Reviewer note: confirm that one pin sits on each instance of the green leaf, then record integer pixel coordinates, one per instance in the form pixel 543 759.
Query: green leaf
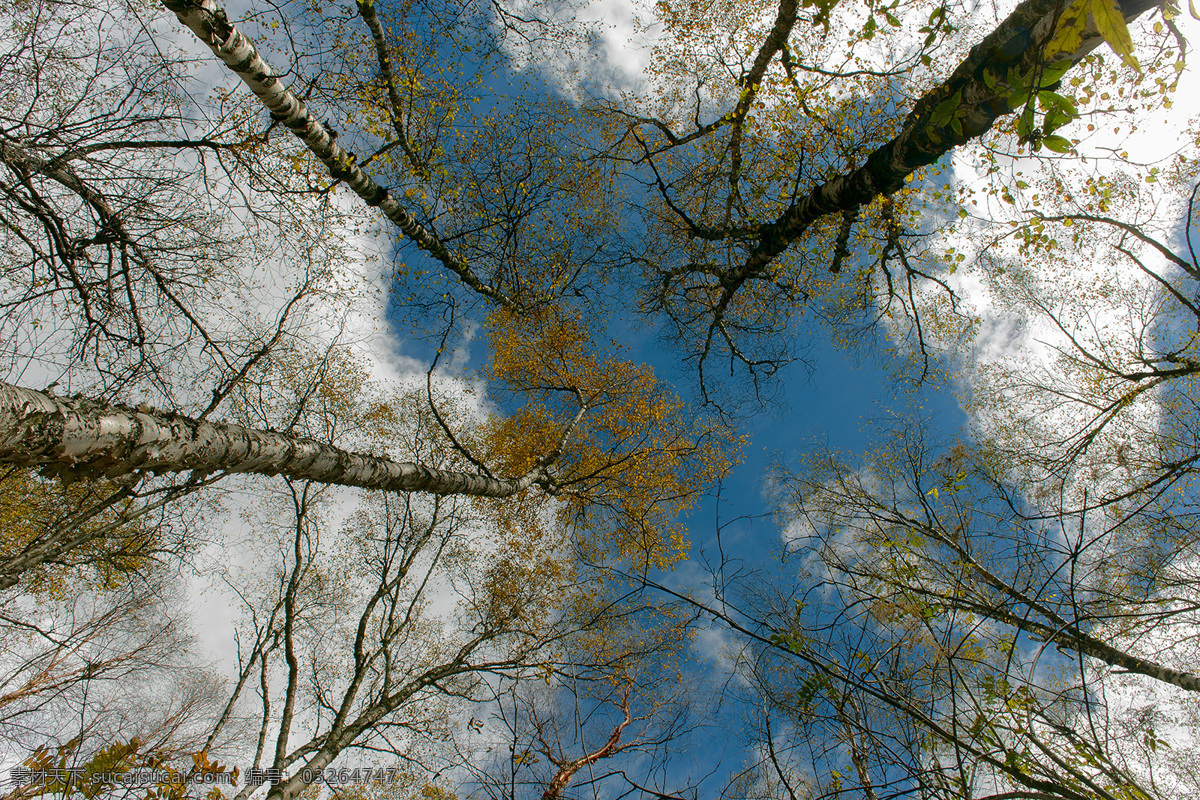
pixel 989 79
pixel 1017 80
pixel 1058 144
pixel 944 109
pixel 1025 123
pixel 1053 73
pixel 1054 120
pixel 1055 100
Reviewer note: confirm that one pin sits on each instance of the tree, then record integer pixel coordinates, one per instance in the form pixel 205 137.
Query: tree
pixel 209 22
pixel 1038 43
pixel 88 667
pixel 411 547
pixel 943 531
pixel 607 713
pixel 35 510
pixel 363 473
pixel 831 670
pixel 1122 368
pixel 757 201
pixel 358 651
pixel 924 132
pixel 627 449
pixel 84 625
pixel 132 220
pixel 934 632
pixel 623 453
pixel 780 204
pixel 624 456
pixel 772 171
pixel 381 637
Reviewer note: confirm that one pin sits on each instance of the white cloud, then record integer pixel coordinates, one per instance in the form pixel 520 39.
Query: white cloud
pixel 602 46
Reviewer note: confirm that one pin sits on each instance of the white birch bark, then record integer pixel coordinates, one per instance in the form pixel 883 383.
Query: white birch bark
pixel 208 21
pixel 85 438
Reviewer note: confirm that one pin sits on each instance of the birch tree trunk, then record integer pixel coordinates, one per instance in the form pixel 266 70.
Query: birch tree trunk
pixel 728 275
pixel 80 438
pixel 1018 43
pixel 209 22
pixel 88 439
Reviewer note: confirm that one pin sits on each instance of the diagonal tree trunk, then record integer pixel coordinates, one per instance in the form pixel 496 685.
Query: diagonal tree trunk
pixel 1062 632
pixel 209 22
pixel 1017 44
pixel 80 437
pixel 90 439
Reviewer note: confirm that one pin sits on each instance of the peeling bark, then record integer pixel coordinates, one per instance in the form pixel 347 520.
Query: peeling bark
pixel 568 768
pixel 80 437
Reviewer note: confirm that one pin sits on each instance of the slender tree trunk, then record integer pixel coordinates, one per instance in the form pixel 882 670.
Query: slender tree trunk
pixel 208 21
pixel 1060 631
pixel 80 437
pixel 1018 43
pixel 568 768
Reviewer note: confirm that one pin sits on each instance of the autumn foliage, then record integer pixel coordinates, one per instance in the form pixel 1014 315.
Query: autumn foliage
pixel 632 464
pixel 114 543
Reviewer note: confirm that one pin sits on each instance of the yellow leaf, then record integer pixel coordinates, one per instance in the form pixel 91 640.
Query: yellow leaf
pixel 1111 24
pixel 1068 35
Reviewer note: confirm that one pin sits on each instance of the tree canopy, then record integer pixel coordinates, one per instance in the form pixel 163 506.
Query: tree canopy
pixel 349 314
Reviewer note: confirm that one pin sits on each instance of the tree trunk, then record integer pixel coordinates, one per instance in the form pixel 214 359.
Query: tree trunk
pixel 1063 633
pixel 79 437
pixel 1018 43
pixel 208 21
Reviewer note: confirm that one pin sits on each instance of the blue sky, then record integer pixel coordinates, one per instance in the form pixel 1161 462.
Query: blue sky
pixel 832 397
pixel 835 400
